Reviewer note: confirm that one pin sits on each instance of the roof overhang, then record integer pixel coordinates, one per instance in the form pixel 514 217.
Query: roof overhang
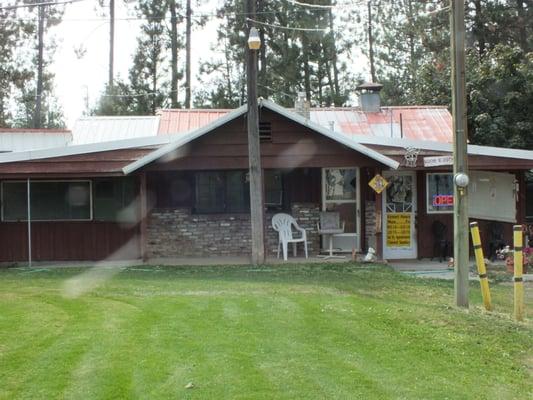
pixel 474 150
pixel 188 137
pixel 31 155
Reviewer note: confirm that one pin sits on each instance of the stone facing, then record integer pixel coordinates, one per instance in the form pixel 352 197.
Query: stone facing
pixel 178 233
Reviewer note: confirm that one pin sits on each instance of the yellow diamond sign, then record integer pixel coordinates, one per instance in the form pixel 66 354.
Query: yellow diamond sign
pixel 378 183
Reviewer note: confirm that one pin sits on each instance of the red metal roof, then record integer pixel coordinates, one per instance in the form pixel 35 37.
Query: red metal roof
pixel 415 123
pixel 431 123
pixel 183 120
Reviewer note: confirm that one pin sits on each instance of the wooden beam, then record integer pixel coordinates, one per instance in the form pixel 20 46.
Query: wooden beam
pixel 143 215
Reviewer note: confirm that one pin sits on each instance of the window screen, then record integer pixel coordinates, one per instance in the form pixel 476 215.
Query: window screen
pixel 114 200
pixel 210 192
pixel 50 200
pixel 220 192
pixel 439 193
pixel 273 188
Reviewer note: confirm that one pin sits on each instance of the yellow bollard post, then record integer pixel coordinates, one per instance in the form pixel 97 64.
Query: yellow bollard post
pixel 481 268
pixel 518 271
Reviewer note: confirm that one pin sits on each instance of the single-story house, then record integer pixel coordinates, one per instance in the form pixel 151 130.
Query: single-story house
pixel 176 184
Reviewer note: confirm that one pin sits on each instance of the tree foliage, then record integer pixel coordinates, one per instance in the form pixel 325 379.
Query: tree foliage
pixel 18 60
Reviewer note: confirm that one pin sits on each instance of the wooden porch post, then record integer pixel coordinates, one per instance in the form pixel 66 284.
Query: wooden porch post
pixel 143 215
pixel 379 221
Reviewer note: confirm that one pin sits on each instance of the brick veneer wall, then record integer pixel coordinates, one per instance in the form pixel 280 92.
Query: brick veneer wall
pixel 178 233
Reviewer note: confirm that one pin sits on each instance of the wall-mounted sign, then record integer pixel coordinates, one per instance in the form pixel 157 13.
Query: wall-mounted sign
pixel 398 229
pixel 437 161
pixel 378 183
pixel 442 200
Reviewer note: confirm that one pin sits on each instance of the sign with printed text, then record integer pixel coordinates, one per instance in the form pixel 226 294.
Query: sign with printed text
pixel 437 161
pixel 442 200
pixel 399 229
pixel 378 183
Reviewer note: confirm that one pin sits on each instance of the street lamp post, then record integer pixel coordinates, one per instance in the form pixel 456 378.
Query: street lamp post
pixel 254 154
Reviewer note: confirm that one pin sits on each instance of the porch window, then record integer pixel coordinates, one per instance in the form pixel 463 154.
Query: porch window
pixel 439 193
pixel 114 200
pixel 273 188
pixel 50 200
pixel 222 192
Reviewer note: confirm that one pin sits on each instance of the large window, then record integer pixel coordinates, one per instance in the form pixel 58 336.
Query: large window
pixel 50 200
pixel 439 193
pixel 114 200
pixel 222 192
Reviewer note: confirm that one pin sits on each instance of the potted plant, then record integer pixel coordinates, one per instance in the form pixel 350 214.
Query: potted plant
pixel 527 257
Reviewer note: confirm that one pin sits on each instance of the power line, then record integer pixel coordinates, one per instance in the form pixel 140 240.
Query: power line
pixel 288 27
pixel 49 3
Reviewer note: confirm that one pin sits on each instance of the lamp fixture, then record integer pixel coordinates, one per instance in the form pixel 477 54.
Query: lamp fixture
pixel 254 41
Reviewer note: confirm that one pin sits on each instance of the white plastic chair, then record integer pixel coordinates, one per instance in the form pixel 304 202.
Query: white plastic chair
pixel 283 224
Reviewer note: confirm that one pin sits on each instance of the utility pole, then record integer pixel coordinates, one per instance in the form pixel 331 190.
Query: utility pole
pixel 371 44
pixel 254 154
pixel 40 45
pixel 460 159
pixel 111 42
pixel 188 56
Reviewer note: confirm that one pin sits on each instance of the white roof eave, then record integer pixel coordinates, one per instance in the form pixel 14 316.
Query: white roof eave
pixel 85 148
pixel 474 150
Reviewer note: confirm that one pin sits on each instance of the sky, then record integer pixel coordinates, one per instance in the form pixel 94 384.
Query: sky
pixel 84 27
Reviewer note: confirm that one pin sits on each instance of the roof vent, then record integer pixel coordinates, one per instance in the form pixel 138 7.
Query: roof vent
pixel 265 131
pixel 369 96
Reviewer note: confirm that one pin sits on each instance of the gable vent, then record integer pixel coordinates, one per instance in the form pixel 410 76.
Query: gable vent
pixel 265 131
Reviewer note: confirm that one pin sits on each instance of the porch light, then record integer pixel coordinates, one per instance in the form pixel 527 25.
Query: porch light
pixel 254 41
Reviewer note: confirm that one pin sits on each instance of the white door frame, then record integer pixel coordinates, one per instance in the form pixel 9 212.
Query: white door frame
pixel 357 198
pixel 401 253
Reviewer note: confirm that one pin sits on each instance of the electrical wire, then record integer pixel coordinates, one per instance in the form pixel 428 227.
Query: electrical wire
pixel 49 3
pixel 288 27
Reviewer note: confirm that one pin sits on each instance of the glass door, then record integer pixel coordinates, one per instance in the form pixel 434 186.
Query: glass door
pixel 399 206
pixel 340 193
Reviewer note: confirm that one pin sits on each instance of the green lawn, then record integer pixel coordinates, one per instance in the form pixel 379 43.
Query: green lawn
pixel 336 331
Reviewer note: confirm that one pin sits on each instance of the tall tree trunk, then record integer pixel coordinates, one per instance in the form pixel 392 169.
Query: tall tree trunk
pixel 154 80
pixel 229 86
pixel 307 69
pixel 479 29
pixel 111 42
pixel 371 44
pixel 39 94
pixel 327 67
pixel 174 54
pixel 337 95
pixel 413 62
pixel 188 56
pixel 262 91
pixel 522 20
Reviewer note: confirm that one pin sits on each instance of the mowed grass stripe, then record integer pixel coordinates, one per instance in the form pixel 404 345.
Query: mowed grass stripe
pixel 317 331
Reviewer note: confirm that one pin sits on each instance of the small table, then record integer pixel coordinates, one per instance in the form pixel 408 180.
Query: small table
pixel 330 233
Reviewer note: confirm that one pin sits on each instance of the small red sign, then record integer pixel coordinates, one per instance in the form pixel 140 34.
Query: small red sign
pixel 443 200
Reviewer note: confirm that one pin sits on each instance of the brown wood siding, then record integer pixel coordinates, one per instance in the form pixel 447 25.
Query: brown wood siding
pixel 68 241
pixel 292 146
